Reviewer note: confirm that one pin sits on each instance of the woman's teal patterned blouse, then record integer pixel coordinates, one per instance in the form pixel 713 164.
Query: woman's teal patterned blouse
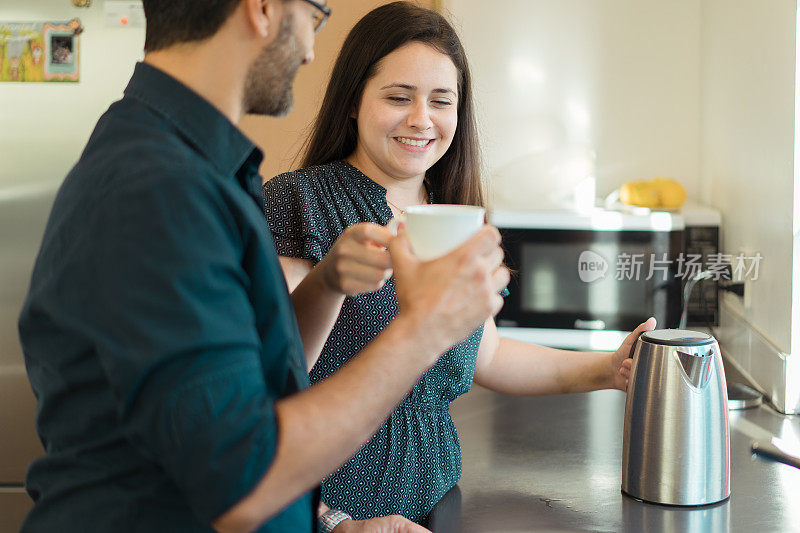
pixel 414 458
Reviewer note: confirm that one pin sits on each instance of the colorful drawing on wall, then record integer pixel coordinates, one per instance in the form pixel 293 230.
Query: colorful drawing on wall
pixel 40 51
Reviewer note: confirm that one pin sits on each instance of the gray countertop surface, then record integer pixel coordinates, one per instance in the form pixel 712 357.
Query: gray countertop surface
pixel 555 464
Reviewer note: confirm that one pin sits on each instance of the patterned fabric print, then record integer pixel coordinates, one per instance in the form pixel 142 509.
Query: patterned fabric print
pixel 415 457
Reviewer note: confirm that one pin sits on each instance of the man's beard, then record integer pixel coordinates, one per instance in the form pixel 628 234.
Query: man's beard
pixel 268 89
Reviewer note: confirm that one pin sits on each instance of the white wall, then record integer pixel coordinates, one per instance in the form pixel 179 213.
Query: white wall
pixel 698 90
pixel 748 144
pixel 619 77
pixel 44 126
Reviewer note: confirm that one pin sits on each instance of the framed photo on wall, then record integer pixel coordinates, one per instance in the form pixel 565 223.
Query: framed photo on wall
pixel 40 51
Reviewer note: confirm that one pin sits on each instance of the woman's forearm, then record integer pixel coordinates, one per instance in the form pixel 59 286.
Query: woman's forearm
pixel 358 262
pixel 524 369
pixel 316 308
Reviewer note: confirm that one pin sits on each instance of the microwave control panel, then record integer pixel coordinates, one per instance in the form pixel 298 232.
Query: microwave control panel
pixel 703 305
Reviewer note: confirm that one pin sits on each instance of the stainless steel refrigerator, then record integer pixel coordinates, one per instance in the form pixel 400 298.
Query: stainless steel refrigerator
pixel 23 214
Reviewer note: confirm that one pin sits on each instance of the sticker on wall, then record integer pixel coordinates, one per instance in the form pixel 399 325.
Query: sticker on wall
pixel 40 51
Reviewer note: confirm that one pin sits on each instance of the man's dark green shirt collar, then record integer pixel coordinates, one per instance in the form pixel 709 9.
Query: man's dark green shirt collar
pixel 203 126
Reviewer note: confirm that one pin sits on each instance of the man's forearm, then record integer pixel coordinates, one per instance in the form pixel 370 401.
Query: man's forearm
pixel 441 302
pixel 321 427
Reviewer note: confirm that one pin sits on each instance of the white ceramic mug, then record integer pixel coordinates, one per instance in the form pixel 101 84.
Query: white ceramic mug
pixel 436 229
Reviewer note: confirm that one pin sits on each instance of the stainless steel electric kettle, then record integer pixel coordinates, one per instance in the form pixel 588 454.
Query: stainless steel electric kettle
pixel 676 440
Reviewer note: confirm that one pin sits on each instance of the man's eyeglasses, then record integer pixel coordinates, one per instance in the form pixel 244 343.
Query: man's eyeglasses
pixel 320 16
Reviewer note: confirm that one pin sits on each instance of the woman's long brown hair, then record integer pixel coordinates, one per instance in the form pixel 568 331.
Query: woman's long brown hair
pixel 453 179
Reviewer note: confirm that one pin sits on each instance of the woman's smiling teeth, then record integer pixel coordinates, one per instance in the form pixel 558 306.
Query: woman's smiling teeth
pixel 413 142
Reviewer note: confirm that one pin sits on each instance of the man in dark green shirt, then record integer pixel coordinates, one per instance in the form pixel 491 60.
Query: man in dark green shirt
pixel 158 333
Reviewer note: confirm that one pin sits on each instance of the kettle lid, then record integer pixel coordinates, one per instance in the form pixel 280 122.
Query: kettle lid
pixel 677 337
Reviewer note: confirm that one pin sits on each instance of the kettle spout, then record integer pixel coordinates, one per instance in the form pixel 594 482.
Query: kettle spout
pixel 696 367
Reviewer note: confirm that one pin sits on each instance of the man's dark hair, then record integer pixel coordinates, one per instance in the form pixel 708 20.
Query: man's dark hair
pixel 178 21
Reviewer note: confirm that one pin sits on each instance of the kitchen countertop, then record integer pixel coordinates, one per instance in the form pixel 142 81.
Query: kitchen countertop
pixel 554 464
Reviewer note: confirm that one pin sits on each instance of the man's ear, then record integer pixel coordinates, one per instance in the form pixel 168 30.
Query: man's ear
pixel 263 15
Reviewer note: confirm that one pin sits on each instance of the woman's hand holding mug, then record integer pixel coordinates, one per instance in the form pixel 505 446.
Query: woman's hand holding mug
pixel 358 261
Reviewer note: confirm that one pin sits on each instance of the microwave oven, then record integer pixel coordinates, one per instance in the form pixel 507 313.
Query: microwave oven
pixel 584 281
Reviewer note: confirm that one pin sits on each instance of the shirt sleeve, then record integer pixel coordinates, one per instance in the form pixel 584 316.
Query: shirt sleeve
pixel 177 338
pixel 293 219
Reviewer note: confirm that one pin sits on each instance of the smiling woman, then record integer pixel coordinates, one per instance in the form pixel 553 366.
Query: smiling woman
pixel 395 129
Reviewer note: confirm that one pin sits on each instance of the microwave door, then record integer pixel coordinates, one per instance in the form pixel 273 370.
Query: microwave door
pixel 585 279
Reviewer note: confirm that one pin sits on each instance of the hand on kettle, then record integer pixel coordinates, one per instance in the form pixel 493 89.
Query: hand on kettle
pixel 621 361
pixel 381 524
